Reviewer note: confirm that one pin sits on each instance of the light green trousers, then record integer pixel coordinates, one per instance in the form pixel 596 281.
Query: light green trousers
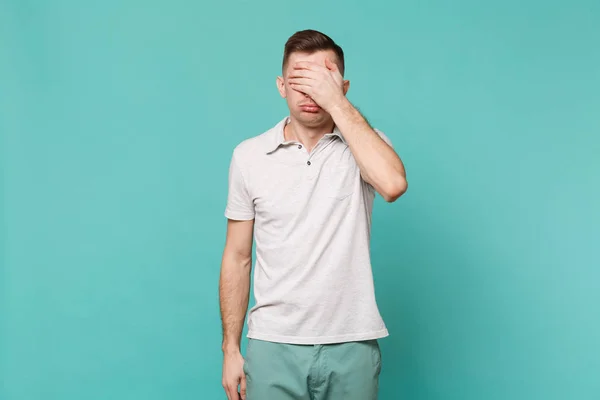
pixel 344 371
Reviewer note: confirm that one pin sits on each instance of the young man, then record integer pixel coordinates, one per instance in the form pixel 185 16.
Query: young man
pixel 304 191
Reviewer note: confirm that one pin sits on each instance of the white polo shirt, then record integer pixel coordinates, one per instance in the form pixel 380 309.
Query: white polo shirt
pixel 313 282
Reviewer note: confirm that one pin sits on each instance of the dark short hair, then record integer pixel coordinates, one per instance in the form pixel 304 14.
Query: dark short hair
pixel 311 41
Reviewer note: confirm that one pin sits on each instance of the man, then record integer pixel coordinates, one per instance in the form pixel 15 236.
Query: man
pixel 304 191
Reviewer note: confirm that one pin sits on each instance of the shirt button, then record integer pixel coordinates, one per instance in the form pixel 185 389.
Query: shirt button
pixel 308 162
pixel 299 146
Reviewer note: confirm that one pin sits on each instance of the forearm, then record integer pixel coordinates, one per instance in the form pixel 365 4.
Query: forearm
pixel 379 164
pixel 234 290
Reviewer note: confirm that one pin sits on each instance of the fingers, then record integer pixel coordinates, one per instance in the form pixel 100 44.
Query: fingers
pixel 231 390
pixel 302 73
pixel 232 393
pixel 243 388
pixel 301 85
pixel 301 81
pixel 307 65
pixel 229 393
pixel 301 88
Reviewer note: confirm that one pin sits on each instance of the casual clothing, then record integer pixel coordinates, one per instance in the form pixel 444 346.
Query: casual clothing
pixel 342 371
pixel 313 283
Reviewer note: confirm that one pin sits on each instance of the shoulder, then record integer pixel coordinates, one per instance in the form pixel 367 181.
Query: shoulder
pixel 254 146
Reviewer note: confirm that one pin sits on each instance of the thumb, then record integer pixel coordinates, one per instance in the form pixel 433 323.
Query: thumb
pixel 330 64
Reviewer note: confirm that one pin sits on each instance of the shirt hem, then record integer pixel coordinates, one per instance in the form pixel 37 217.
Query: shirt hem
pixel 352 337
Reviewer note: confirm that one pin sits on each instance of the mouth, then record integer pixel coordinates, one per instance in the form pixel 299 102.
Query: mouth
pixel 311 108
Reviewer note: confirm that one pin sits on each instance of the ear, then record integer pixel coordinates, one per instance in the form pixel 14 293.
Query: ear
pixel 346 86
pixel 281 86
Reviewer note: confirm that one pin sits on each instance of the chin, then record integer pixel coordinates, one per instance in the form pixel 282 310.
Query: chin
pixel 312 119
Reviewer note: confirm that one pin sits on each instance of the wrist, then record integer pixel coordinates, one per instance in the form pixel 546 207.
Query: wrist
pixel 227 353
pixel 230 349
pixel 340 107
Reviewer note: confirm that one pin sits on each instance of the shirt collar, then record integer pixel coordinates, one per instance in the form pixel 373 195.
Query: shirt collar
pixel 278 138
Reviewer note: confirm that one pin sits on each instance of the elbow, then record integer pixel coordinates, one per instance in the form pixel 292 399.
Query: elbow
pixel 395 190
pixel 236 259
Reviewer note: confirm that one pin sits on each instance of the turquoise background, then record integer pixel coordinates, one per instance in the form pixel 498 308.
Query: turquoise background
pixel 118 119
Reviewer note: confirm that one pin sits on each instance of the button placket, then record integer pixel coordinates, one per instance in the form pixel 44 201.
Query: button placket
pixel 313 152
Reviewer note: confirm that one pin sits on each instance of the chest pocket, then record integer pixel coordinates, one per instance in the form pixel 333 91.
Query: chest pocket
pixel 338 182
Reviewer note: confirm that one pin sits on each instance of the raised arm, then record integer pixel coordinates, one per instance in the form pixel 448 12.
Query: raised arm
pixel 234 291
pixel 379 164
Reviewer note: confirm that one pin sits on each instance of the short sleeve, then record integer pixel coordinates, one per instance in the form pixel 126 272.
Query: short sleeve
pixel 384 137
pixel 239 203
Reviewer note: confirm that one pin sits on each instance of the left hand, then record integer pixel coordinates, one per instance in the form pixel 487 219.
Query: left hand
pixel 324 84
